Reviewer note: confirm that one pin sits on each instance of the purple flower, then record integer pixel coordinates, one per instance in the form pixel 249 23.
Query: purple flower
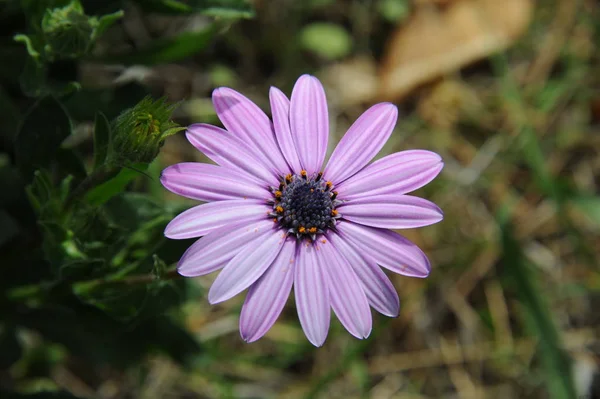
pixel 274 219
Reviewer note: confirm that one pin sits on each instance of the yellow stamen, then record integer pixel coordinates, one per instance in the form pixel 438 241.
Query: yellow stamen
pixel 329 184
pixel 334 212
pixel 301 229
pixel 278 194
pixel 279 209
pixel 288 178
pixel 323 241
pixel 303 173
pixel 312 230
pixel 274 220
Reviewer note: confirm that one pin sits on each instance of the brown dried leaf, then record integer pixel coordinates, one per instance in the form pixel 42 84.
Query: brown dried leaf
pixel 434 42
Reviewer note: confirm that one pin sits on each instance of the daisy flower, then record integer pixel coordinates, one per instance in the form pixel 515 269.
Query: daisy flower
pixel 274 219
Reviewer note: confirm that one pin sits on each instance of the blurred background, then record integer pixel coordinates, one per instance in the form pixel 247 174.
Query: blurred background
pixel 507 91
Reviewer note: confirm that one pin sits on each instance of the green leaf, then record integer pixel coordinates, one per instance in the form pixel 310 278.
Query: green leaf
pixel 102 193
pixel 86 103
pixel 130 210
pixel 328 40
pixel 523 279
pixel 105 22
pixel 588 205
pixel 29 45
pixel 394 10
pixel 169 49
pixel 159 268
pixel 45 128
pixel 118 300
pixel 81 269
pixel 39 191
pixel 101 139
pixel 33 79
pixel 214 8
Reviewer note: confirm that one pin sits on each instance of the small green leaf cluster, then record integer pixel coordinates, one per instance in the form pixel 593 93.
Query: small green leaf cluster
pixel 65 32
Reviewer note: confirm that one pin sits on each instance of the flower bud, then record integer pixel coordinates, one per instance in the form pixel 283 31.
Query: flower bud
pixel 140 132
pixel 67 31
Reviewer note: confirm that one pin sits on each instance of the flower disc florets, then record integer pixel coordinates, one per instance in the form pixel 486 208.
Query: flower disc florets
pixel 305 206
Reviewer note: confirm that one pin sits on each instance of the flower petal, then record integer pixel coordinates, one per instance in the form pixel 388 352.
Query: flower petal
pixel 362 142
pixel 379 289
pixel 312 294
pixel 202 219
pixel 348 298
pixel 227 150
pixel 205 182
pixel 268 295
pixel 390 211
pixel 247 266
pixel 398 173
pixel 309 120
pixel 280 108
pixel 218 247
pixel 243 118
pixel 389 249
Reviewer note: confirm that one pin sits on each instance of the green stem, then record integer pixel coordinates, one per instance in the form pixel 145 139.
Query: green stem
pixel 39 290
pixel 131 280
pixel 98 177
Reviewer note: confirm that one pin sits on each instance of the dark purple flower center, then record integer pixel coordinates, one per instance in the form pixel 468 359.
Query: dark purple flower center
pixel 305 206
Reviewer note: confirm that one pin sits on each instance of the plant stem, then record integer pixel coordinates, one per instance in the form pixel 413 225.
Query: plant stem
pixel 131 280
pixel 37 290
pixel 99 176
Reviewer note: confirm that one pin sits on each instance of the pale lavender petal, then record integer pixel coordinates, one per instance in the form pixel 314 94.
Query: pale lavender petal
pixel 379 289
pixel 309 120
pixel 348 298
pixel 390 211
pixel 202 219
pixel 397 173
pixel 312 294
pixel 268 295
pixel 247 266
pixel 217 248
pixel 362 142
pixel 227 150
pixel 205 182
pixel 243 118
pixel 280 107
pixel 389 249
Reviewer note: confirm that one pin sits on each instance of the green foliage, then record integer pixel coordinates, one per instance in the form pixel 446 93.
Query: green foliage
pixel 102 133
pixel 58 30
pixel 169 49
pixel 41 134
pixel 328 40
pixel 589 205
pixel 64 31
pixel 85 264
pixel 394 10
pixel 213 8
pixel 522 278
